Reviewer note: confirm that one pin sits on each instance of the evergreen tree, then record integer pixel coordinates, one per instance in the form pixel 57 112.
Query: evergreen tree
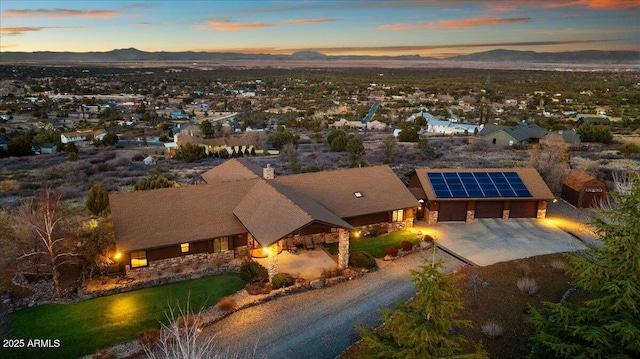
pixel 608 324
pixel 97 200
pixel 355 149
pixel 421 328
pixel 389 151
pixel 207 129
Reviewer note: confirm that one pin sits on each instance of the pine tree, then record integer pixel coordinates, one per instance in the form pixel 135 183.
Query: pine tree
pixel 421 328
pixel 97 200
pixel 608 324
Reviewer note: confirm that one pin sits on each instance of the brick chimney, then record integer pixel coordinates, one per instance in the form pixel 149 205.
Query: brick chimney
pixel 268 173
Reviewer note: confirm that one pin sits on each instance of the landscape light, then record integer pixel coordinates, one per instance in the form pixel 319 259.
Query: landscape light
pixel 117 256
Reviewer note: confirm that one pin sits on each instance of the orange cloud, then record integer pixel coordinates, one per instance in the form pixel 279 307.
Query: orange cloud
pixel 15 31
pixel 596 4
pixel 227 25
pixel 304 21
pixel 453 24
pixel 53 13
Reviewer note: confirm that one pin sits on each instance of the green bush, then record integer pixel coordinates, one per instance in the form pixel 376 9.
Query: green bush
pixel 252 272
pixel 282 280
pixel 391 251
pixel 362 260
pixel 629 148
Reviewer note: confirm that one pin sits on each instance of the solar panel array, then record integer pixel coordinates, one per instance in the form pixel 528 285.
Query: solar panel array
pixel 477 184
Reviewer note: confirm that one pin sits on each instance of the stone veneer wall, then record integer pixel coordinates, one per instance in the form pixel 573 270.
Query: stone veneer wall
pixel 432 217
pixel 471 214
pixel 219 262
pixel 542 213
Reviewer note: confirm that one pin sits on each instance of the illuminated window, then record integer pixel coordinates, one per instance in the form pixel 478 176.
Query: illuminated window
pixel 397 216
pixel 220 244
pixel 358 194
pixel 138 259
pixel 184 247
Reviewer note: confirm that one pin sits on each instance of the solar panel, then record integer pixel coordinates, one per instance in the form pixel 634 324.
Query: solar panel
pixel 477 184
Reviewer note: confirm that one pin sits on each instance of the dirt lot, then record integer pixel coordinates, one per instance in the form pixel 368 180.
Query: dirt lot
pixel 499 300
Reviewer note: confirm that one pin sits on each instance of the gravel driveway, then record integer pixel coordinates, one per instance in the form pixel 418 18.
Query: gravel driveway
pixel 320 323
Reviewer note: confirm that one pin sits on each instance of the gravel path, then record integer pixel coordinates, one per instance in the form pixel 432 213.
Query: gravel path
pixel 320 323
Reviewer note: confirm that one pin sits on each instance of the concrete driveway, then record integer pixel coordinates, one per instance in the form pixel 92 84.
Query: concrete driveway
pixel 488 241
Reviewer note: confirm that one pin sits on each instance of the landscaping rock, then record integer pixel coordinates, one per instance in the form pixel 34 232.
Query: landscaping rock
pixel 318 283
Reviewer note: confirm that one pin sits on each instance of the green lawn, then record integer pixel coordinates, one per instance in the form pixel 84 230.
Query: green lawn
pixel 86 326
pixel 376 245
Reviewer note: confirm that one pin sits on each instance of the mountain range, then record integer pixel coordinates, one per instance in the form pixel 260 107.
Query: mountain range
pixel 135 55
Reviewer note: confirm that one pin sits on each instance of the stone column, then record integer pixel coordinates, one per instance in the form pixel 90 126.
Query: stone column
pixel 272 260
pixel 343 248
pixel 542 210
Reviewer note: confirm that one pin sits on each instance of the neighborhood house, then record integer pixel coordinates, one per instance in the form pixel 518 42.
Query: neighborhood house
pixel 241 210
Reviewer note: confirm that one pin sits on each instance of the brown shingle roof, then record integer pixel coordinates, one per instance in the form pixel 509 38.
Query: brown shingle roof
pixel 529 176
pixel 237 200
pixel 231 170
pixel 270 216
pixel 577 179
pixel 156 218
pixel 381 188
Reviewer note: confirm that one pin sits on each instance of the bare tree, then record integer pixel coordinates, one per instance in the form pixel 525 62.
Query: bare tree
pixel 182 339
pixel 49 239
pixel 551 159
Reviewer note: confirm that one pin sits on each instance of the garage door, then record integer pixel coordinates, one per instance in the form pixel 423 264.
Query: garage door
pixel 452 211
pixel 524 209
pixel 489 209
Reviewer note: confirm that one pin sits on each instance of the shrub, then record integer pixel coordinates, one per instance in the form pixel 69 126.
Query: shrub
pixel 629 148
pixel 407 246
pixel 391 251
pixel 227 304
pixel 258 288
pixel 330 273
pixel 252 272
pixel 427 238
pixel 528 285
pixel 282 280
pixel 103 354
pixel 492 330
pixel 149 337
pixel 362 260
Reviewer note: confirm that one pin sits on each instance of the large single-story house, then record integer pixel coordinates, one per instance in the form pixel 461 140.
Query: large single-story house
pixel 463 194
pixel 243 210
pixel 82 136
pixel 583 190
pixel 523 135
pixel 593 120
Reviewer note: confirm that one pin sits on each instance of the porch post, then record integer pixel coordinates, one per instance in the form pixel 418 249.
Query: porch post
pixel 343 248
pixel 272 260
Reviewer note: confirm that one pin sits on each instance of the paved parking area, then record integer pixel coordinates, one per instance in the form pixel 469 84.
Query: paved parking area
pixel 488 241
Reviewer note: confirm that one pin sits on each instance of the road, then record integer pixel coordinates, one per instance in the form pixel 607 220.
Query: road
pixel 320 323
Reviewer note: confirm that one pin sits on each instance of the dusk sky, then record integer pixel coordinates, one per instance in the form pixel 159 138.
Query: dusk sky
pixel 437 28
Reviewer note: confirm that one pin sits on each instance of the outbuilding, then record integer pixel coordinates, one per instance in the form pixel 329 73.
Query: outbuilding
pixel 464 194
pixel 582 190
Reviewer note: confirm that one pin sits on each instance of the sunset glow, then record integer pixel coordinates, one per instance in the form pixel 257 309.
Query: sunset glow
pixel 382 27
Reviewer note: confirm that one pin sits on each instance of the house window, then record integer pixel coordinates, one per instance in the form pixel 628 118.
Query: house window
pixel 138 259
pixel 494 141
pixel 397 215
pixel 221 244
pixel 184 247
